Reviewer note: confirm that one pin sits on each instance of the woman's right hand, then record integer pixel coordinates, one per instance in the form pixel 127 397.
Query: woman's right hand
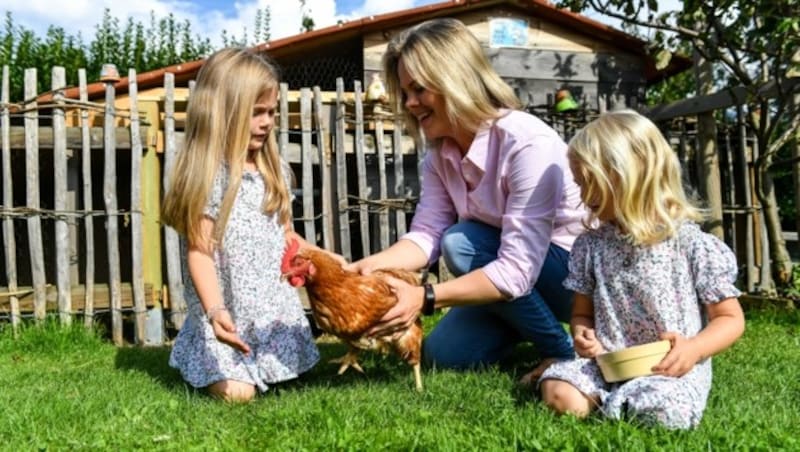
pixel 363 266
pixel 225 331
pixel 586 343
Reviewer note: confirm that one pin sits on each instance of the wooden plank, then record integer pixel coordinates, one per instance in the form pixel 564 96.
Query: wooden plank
pixel 88 221
pixel 112 223
pixel 171 240
pixel 744 168
pixel 32 195
pixel 341 174
pixel 9 240
pixel 74 135
pixel 309 230
pixel 399 181
pixel 137 283
pixel 383 193
pixel 720 100
pixel 78 295
pixel 63 283
pixel 361 169
pixel 323 139
pixel 283 131
pixel 565 66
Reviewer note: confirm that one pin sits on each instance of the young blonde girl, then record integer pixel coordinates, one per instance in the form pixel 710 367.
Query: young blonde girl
pixel 645 273
pixel 229 200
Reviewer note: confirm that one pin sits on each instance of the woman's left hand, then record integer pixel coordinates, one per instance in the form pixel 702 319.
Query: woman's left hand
pixel 404 313
pixel 681 358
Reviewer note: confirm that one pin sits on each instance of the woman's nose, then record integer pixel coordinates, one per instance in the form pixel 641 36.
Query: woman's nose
pixel 411 100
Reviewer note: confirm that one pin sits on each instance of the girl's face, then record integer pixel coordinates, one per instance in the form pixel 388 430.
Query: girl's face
pixel 263 120
pixel 594 203
pixel 425 105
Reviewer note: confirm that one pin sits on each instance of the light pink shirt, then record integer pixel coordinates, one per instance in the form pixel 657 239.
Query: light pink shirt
pixel 515 177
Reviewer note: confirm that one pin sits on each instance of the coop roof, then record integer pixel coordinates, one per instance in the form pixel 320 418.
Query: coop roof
pixel 301 43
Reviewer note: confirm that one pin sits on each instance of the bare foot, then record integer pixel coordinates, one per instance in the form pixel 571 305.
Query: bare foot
pixel 531 377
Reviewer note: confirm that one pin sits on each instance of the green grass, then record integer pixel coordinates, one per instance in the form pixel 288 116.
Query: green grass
pixel 66 389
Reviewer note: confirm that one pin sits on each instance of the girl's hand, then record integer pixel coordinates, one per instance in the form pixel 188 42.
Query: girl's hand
pixel 225 331
pixel 681 358
pixel 403 314
pixel 586 343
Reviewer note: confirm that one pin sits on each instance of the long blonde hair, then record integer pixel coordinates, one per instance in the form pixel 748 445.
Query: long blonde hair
pixel 626 166
pixel 218 132
pixel 443 56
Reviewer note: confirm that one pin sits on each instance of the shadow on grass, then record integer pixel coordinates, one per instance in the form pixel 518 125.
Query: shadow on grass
pixel 152 361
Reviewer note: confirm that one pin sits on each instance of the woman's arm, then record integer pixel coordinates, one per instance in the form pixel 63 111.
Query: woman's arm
pixel 725 326
pixel 200 262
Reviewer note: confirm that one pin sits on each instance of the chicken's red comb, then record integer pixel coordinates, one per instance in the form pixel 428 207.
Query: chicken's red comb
pixel 288 254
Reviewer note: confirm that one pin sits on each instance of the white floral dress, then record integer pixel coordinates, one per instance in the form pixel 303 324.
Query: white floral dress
pixel 639 293
pixel 267 312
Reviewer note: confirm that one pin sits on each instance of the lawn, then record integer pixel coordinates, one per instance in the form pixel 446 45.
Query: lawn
pixel 64 388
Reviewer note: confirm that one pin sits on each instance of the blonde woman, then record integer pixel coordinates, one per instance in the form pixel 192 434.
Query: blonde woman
pixel 646 273
pixel 498 202
pixel 229 200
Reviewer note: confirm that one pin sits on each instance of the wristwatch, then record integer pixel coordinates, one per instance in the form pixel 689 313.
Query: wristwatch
pixel 429 300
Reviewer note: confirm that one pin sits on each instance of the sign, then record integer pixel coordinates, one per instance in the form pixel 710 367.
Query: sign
pixel 508 32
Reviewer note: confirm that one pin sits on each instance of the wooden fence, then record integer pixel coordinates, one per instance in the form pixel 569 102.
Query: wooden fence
pixel 356 184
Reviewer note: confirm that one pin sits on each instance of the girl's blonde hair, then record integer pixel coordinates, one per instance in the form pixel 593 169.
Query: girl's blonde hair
pixel 443 56
pixel 626 166
pixel 218 118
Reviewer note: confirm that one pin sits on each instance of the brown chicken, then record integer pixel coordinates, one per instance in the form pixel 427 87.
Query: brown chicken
pixel 347 304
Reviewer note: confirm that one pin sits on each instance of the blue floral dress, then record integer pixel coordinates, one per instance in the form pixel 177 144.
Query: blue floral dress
pixel 639 293
pixel 267 312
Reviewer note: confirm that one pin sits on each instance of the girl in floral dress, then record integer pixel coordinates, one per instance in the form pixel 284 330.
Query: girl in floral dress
pixel 230 201
pixel 646 272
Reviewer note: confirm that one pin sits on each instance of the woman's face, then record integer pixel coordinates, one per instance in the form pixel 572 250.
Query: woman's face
pixel 263 120
pixel 425 105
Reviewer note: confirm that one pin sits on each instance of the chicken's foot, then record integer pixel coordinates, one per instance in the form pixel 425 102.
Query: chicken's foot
pixel 349 359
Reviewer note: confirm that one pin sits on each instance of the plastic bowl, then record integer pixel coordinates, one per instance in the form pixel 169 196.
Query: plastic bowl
pixel 632 362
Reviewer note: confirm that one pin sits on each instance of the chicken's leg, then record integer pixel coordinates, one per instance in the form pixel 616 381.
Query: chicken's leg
pixel 417 377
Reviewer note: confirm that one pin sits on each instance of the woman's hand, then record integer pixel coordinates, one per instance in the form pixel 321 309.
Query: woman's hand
pixel 225 331
pixel 403 314
pixel 681 358
pixel 586 343
pixel 363 266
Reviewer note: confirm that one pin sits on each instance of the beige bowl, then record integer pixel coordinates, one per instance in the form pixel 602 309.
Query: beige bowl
pixel 632 362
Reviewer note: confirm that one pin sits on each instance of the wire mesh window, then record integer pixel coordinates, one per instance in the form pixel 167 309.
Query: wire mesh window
pixel 321 66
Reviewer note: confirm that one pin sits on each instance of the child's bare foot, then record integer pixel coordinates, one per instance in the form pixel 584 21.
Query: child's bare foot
pixel 532 376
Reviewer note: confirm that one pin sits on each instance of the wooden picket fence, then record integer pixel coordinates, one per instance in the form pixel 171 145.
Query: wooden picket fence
pixel 357 184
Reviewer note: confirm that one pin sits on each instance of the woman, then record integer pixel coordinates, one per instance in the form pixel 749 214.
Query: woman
pixel 498 203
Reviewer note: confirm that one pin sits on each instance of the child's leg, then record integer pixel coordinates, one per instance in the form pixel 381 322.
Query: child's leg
pixel 232 391
pixel 565 398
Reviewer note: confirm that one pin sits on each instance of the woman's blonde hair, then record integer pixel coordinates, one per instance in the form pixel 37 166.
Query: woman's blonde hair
pixel 443 56
pixel 626 166
pixel 218 118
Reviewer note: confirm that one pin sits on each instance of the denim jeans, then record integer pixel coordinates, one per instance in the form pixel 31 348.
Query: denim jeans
pixel 472 336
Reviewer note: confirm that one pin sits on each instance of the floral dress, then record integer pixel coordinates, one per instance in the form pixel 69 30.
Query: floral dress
pixel 267 312
pixel 639 293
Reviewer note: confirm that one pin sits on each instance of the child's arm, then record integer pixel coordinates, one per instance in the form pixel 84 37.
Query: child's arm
pixel 726 324
pixel 582 326
pixel 204 278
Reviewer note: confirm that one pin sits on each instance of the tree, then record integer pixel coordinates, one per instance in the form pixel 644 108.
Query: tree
pixel 756 43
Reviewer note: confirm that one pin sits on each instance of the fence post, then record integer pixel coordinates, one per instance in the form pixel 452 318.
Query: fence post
pixel 137 283
pixel 109 77
pixel 9 240
pixel 171 241
pixel 323 140
pixel 341 172
pixel 32 197
pixel 306 156
pixel 88 221
pixel 361 169
pixel 63 283
pixel 399 181
pixel 383 213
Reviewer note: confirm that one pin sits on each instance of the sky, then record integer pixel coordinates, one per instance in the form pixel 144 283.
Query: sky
pixel 208 18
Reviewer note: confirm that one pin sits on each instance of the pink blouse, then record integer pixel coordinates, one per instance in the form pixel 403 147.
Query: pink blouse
pixel 515 177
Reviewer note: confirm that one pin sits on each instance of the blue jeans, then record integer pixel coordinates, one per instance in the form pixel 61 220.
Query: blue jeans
pixel 472 336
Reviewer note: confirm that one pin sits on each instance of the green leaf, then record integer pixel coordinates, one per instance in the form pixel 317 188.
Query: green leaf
pixel 663 57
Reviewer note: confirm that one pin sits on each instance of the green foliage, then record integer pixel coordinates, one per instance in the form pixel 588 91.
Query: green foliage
pixel 67 389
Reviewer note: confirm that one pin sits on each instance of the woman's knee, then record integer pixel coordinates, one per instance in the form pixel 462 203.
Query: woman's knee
pixel 468 245
pixel 232 391
pixel 564 398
